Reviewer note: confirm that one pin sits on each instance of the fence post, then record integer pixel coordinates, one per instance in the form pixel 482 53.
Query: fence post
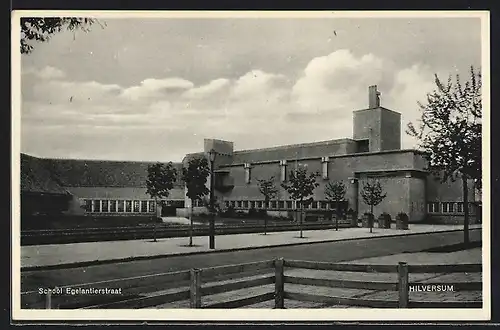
pixel 48 300
pixel 195 289
pixel 279 284
pixel 403 284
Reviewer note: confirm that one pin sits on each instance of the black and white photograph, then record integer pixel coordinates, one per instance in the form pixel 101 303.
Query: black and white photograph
pixel 250 166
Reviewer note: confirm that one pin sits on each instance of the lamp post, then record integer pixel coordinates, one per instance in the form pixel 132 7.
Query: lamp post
pixel 212 153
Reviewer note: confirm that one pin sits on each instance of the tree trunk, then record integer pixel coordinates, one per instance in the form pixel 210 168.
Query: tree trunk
pixel 466 209
pixel 265 217
pixel 156 219
pixel 337 217
pixel 301 216
pixel 191 224
pixel 370 219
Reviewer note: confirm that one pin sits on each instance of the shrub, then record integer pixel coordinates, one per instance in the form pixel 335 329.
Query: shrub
pixel 402 215
pixel 384 220
pixel 253 213
pixel 229 212
pixel 261 213
pixel 402 221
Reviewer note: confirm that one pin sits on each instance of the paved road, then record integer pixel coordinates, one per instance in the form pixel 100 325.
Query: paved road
pixel 328 252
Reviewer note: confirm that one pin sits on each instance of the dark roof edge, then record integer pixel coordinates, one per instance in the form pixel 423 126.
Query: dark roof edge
pixel 102 160
pixel 399 113
pixel 307 144
pixel 414 151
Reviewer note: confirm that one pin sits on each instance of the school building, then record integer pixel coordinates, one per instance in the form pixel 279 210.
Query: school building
pixel 373 152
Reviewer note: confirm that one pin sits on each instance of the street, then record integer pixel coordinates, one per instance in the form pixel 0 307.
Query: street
pixel 328 252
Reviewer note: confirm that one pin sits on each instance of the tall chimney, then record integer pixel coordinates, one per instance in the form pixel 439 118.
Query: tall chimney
pixel 373 97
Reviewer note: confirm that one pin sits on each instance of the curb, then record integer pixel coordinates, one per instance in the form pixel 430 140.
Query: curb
pixel 162 256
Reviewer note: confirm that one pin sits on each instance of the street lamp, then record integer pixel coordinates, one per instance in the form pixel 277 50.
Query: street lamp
pixel 212 154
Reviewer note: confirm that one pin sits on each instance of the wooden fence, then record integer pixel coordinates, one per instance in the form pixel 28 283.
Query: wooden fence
pixel 200 282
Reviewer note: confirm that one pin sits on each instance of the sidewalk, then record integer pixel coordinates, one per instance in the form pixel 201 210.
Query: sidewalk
pixel 49 255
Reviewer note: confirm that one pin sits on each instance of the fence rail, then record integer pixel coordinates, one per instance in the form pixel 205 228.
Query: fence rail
pixel 206 282
pixel 61 236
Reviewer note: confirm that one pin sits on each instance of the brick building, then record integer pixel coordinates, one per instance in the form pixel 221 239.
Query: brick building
pixel 374 151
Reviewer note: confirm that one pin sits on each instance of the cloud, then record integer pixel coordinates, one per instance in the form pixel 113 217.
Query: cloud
pixel 337 81
pixel 411 85
pixel 254 110
pixel 156 88
pixel 208 90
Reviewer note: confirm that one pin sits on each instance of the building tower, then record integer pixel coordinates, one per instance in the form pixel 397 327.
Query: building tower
pixel 376 128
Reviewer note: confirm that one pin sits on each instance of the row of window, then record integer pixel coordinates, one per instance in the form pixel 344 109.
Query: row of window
pixel 283 204
pixel 119 206
pixel 447 207
pixel 149 206
pixel 283 170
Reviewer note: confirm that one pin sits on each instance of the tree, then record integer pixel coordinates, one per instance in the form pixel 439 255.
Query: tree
pixel 300 188
pixel 449 132
pixel 42 28
pixel 372 195
pixel 268 189
pixel 335 192
pixel 161 179
pixel 195 177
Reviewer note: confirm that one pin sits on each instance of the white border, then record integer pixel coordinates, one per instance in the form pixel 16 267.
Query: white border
pixel 249 314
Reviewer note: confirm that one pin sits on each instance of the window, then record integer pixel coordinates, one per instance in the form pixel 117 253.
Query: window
pixel 259 204
pixel 128 206
pixel 97 205
pixel 314 205
pixel 226 203
pixel 363 146
pixel 332 206
pixel 239 204
pixel 447 207
pixel 233 203
pixel 104 206
pixel 433 207
pixel 460 207
pixel 245 204
pixel 281 204
pixel 252 204
pixel 152 206
pixel 273 204
pixel 136 206
pixel 324 167
pixel 471 207
pixel 112 206
pixel 144 206
pixel 121 206
pixel 247 173
pixel 283 170
pixel 289 204
pixel 88 205
pixel 323 205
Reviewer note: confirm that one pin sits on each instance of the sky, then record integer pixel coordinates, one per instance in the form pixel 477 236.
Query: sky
pixel 151 89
